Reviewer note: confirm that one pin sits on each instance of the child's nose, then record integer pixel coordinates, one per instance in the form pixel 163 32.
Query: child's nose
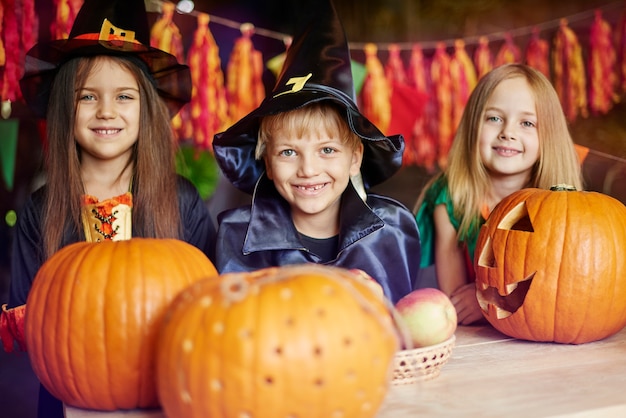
pixel 309 166
pixel 106 109
pixel 508 132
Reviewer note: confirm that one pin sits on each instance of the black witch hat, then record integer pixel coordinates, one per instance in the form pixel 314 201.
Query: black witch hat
pixel 105 27
pixel 317 67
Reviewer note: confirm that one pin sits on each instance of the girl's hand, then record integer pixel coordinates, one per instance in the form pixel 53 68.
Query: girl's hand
pixel 466 304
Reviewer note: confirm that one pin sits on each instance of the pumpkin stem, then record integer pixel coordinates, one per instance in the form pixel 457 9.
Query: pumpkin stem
pixel 563 187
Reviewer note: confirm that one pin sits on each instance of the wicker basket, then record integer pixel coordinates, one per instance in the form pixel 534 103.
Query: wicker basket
pixel 423 363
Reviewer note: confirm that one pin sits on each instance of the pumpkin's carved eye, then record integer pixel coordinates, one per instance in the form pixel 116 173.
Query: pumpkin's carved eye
pixel 517 219
pixel 505 304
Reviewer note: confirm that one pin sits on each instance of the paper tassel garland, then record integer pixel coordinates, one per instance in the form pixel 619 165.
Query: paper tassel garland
pixel 463 77
pixel 601 65
pixel 166 36
pixel 569 72
pixel 376 93
pixel 421 145
pixel 508 52
pixel 483 58
pixel 208 108
pixel 442 88
pixel 538 54
pixel 244 85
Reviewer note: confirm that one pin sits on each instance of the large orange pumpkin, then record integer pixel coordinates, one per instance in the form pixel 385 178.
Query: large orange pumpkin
pixel 295 341
pixel 93 313
pixel 551 266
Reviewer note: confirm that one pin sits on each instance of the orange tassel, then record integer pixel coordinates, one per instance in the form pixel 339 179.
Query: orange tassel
pixel 376 92
pixel 442 87
pixel 537 53
pixel 66 11
pixel 208 106
pixel 166 36
pixel 483 58
pixel 463 77
pixel 508 53
pixel 244 86
pixel 601 64
pixel 569 72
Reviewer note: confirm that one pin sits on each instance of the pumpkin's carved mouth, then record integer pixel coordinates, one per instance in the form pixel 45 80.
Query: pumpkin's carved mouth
pixel 505 305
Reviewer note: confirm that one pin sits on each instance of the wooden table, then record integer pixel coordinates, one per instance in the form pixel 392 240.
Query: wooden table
pixel 492 375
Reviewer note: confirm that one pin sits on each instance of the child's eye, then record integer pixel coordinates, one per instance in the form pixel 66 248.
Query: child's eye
pixel 328 150
pixel 528 124
pixel 125 97
pixel 493 119
pixel 86 97
pixel 287 153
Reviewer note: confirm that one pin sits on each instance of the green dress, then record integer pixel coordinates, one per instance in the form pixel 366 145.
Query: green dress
pixel 438 194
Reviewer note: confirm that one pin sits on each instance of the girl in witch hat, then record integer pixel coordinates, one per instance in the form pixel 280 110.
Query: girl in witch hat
pixel 305 154
pixel 108 98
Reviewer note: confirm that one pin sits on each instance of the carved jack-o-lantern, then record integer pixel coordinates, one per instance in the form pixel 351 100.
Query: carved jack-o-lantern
pixel 551 266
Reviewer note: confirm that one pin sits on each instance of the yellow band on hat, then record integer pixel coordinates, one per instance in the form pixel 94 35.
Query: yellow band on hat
pixel 110 32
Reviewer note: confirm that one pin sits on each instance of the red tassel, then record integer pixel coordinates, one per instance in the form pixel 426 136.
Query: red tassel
pixel 422 144
pixel 208 106
pixel 30 24
pixel 442 87
pixel 12 66
pixel 394 68
pixel 620 31
pixel 569 72
pixel 601 65
pixel 537 53
pixel 12 328
pixel 406 103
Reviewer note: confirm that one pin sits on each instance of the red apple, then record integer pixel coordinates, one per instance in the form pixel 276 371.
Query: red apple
pixel 428 315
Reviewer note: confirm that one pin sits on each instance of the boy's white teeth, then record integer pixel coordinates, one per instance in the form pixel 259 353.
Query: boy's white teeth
pixel 317 187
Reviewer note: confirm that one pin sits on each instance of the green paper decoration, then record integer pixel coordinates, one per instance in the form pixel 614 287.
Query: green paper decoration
pixel 8 149
pixel 200 167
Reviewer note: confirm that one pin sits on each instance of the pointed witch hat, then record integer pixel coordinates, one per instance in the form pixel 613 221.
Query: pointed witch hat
pixel 317 67
pixel 106 27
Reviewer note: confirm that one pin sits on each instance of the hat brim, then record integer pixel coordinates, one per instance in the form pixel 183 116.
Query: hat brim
pixel 42 61
pixel 234 148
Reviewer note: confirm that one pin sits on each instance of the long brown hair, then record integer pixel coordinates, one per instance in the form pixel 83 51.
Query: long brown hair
pixel 155 210
pixel 468 180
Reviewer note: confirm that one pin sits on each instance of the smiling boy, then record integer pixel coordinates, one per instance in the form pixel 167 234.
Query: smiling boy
pixel 302 154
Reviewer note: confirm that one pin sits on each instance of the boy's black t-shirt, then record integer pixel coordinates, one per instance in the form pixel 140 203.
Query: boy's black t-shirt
pixel 324 248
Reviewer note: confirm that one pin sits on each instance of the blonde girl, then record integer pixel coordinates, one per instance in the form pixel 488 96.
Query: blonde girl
pixel 513 134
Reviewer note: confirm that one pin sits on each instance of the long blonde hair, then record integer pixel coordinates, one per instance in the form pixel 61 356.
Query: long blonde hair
pixel 155 203
pixel 468 180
